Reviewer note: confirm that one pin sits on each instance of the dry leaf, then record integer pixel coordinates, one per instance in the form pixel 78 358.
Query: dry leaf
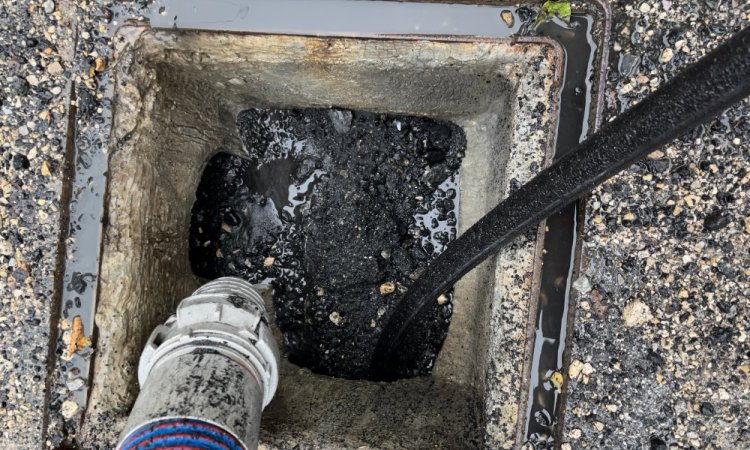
pixel 78 339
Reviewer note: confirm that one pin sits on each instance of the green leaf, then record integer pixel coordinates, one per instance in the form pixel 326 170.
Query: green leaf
pixel 560 8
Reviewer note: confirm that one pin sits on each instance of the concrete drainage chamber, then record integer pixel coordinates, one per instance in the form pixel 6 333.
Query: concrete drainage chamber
pixel 332 169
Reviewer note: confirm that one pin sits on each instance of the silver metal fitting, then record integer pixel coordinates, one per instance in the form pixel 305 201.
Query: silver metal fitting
pixel 226 315
pixel 214 361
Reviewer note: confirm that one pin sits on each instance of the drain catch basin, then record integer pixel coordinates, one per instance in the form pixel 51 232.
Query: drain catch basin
pixel 179 97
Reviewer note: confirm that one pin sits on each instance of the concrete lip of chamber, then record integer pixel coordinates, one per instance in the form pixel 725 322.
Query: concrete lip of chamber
pixel 176 99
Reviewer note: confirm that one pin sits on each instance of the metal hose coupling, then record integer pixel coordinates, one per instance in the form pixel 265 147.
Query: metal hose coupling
pixel 206 374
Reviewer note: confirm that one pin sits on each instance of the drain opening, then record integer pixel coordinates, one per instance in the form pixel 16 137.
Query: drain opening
pixel 341 211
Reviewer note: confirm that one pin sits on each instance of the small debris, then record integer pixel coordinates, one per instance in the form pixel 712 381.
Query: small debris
pixel 560 8
pixel 442 300
pixel 335 318
pixel 557 379
pixel 78 339
pixel 341 119
pixel 100 64
pixel 508 18
pixel 387 288
pixel 269 261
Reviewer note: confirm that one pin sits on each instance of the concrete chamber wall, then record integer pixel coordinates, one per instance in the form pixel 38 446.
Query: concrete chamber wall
pixel 176 102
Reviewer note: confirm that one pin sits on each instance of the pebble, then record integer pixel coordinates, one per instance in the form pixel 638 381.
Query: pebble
pixel 387 288
pixel 582 285
pixel 636 313
pixel 666 55
pixel 628 64
pixel 20 162
pixel 75 383
pixel 707 409
pixel 100 64
pixel 715 221
pixel 69 409
pixel 49 6
pixel 508 18
pixel 46 169
pixel 55 68
pixel 336 318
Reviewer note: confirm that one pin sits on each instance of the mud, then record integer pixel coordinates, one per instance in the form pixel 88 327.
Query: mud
pixel 341 211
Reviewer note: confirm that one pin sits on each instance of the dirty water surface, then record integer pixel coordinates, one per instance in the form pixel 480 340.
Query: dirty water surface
pixel 340 211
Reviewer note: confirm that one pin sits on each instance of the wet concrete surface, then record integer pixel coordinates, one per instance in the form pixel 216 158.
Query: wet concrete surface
pixel 660 353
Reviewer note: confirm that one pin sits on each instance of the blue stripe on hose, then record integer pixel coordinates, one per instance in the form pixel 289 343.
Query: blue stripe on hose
pixel 180 441
pixel 197 432
pixel 168 428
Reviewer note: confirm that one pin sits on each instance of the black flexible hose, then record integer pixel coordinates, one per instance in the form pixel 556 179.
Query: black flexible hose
pixel 696 95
